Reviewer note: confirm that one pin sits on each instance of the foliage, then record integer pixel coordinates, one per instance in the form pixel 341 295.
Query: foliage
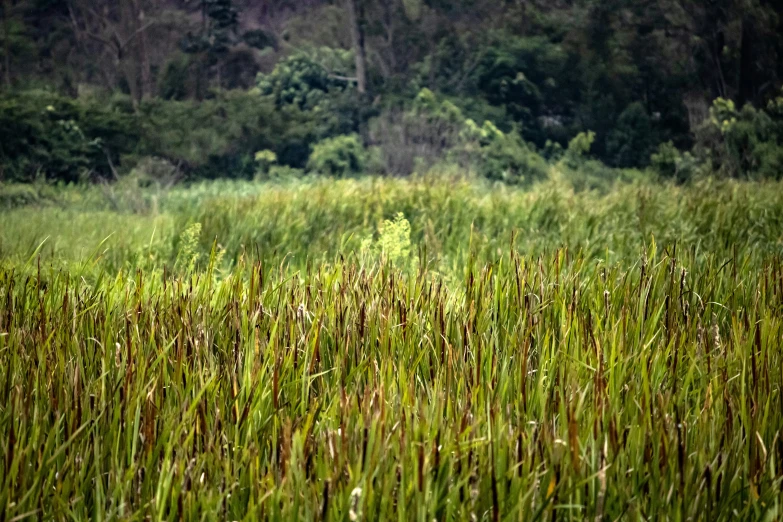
pixel 187 251
pixel 155 170
pixel 217 35
pixel 666 160
pixel 582 172
pixel 314 88
pixel 670 163
pixel 499 156
pixel 435 129
pixel 175 78
pixel 265 159
pixel 578 149
pixel 742 143
pixel 13 195
pixel 307 79
pixel 394 242
pixel 519 73
pixel 219 137
pixel 284 173
pixel 542 73
pixel 49 136
pixel 341 156
pixel 631 141
pixel 548 70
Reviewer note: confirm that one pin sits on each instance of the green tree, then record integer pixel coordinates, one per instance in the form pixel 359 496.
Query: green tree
pixel 632 139
pixel 213 40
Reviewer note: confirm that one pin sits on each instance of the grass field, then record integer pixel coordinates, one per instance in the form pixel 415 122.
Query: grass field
pixel 426 349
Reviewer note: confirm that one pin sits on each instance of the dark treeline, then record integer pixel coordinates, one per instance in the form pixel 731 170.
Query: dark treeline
pixel 207 88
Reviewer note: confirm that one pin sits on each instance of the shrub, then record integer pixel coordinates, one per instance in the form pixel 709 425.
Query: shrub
pixel 151 170
pixel 578 149
pixel 393 243
pixel 668 162
pixel 501 156
pixel 666 159
pixel 434 130
pixel 219 137
pixel 307 79
pixel 632 140
pixel 13 195
pixel 311 91
pixel 417 137
pixel 742 143
pixel 340 156
pixel 595 175
pixel 265 159
pixel 47 135
pixel 284 173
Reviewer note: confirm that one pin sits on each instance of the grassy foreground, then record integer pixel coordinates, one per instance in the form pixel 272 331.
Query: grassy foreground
pixel 278 352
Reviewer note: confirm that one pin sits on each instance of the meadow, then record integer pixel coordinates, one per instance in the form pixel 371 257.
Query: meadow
pixel 430 348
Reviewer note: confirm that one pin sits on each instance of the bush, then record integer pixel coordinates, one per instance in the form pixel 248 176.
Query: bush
pixel 595 175
pixel 742 143
pixel 419 136
pixel 340 156
pixel 62 139
pixel 267 168
pixel 578 149
pixel 316 85
pixel 219 137
pixel 44 135
pixel 265 159
pixel 501 156
pixel 13 195
pixel 155 171
pixel 584 173
pixel 632 140
pixel 307 79
pixel 435 130
pixel 284 173
pixel 668 162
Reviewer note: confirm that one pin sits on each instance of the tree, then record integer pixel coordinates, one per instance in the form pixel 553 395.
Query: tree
pixel 7 42
pixel 356 20
pixel 119 29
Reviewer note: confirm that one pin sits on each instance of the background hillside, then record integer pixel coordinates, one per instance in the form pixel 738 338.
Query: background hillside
pixel 92 89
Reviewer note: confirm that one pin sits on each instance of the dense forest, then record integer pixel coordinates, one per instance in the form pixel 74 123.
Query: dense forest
pixel 187 89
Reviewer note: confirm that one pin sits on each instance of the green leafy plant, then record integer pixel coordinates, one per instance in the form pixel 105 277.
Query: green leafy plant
pixel 188 254
pixel 394 241
pixel 578 148
pixel 741 143
pixel 307 79
pixel 340 156
pixel 60 139
pixel 265 159
pixel 632 140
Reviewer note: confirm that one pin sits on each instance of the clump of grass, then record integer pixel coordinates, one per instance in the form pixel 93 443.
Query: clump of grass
pixel 537 382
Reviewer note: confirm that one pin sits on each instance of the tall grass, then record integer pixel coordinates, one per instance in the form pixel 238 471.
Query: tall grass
pixel 536 356
pixel 450 219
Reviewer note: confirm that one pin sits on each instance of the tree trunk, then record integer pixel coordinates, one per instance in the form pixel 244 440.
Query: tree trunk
pixel 356 19
pixel 144 57
pixel 200 69
pixel 388 22
pixel 7 42
pixel 127 48
pixel 747 83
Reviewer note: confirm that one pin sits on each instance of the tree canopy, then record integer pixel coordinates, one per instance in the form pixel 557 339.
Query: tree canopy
pixel 637 73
